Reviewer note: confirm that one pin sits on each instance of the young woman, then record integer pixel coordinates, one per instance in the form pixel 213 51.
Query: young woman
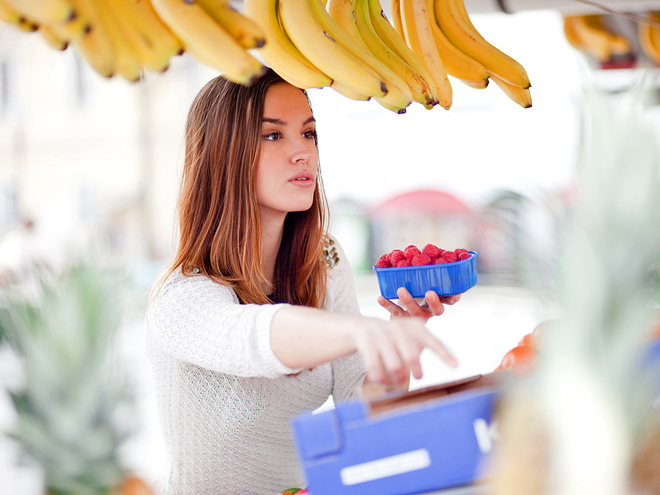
pixel 256 318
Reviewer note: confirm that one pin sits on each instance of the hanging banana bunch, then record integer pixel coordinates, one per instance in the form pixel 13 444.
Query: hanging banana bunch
pixel 348 45
pixel 125 37
pixel 590 35
pixel 649 37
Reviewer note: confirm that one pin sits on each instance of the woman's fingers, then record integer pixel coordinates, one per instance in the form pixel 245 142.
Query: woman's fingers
pixel 394 365
pixel 450 299
pixel 391 307
pixel 439 348
pixel 435 303
pixel 412 306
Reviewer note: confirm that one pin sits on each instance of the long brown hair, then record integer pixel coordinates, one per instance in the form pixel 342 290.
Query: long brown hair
pixel 218 212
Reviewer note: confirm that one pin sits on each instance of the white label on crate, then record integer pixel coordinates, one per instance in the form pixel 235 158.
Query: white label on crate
pixel 387 466
pixel 485 435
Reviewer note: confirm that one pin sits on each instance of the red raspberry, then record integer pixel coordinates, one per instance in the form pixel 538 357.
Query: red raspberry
pixel 383 263
pixel 463 255
pixel 438 261
pixel 411 251
pixel 404 262
pixel 449 256
pixel 431 250
pixel 461 250
pixel 421 259
pixel 385 259
pixel 396 256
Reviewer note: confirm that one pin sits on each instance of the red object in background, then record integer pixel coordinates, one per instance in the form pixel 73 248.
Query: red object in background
pixel 526 341
pixel 627 61
pixel 521 360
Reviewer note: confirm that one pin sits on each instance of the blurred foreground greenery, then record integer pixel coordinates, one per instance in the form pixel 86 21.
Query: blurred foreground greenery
pixel 74 409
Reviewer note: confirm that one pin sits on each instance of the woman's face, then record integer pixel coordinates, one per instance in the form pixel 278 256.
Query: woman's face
pixel 288 163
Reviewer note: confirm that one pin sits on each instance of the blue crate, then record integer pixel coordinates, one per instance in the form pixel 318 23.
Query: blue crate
pixel 437 444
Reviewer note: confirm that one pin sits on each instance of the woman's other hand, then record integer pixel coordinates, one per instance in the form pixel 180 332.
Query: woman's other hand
pixel 431 305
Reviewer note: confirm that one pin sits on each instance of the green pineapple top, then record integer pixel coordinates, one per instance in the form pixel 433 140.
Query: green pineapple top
pixel 71 413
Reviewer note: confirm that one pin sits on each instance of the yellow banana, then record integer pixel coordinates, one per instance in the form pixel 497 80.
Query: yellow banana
pixel 69 30
pixel 522 96
pixel 246 32
pixel 398 93
pixel 279 51
pixel 571 34
pixel 347 91
pixel 152 41
pixel 207 41
pixel 391 108
pixel 52 38
pixel 419 88
pixel 455 23
pixel 321 49
pixel 9 15
pixel 597 40
pixel 126 61
pixel 655 35
pixel 44 11
pixel 649 39
pixel 458 64
pixel 395 8
pixel 353 95
pixel 417 24
pixel 95 46
pixel 397 44
pixel 343 12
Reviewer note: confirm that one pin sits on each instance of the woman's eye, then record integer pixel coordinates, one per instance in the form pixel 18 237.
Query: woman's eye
pixel 273 136
pixel 310 135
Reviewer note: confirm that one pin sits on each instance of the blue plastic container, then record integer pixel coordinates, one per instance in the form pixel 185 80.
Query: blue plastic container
pixel 447 279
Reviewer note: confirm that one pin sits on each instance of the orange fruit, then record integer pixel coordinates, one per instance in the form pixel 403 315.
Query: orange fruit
pixel 526 341
pixel 521 360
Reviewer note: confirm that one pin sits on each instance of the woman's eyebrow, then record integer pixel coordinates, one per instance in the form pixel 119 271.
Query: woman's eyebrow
pixel 271 120
pixel 274 121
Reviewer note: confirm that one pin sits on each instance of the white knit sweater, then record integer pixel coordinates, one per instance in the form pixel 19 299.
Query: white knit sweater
pixel 224 399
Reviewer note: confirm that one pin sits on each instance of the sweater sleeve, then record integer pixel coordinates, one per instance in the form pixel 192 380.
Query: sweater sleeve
pixel 199 321
pixel 348 372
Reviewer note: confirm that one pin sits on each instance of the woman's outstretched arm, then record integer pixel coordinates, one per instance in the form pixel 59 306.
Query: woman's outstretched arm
pixel 304 337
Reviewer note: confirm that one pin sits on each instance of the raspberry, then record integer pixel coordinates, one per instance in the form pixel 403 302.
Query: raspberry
pixel 411 251
pixel 383 263
pixel 438 261
pixel 460 250
pixel 463 255
pixel 449 256
pixel 384 260
pixel 421 259
pixel 396 256
pixel 431 250
pixel 404 262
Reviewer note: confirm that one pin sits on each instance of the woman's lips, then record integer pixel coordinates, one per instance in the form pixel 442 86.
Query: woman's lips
pixel 302 180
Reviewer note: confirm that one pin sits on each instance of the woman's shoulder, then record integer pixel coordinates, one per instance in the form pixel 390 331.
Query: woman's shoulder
pixel 332 250
pixel 335 257
pixel 179 284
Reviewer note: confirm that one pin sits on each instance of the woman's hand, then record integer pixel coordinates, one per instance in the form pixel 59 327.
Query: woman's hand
pixel 391 350
pixel 432 305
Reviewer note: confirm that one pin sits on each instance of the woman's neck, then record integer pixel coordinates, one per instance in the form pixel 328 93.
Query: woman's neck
pixel 271 238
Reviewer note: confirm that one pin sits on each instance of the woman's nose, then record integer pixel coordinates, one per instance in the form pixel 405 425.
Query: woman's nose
pixel 301 150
